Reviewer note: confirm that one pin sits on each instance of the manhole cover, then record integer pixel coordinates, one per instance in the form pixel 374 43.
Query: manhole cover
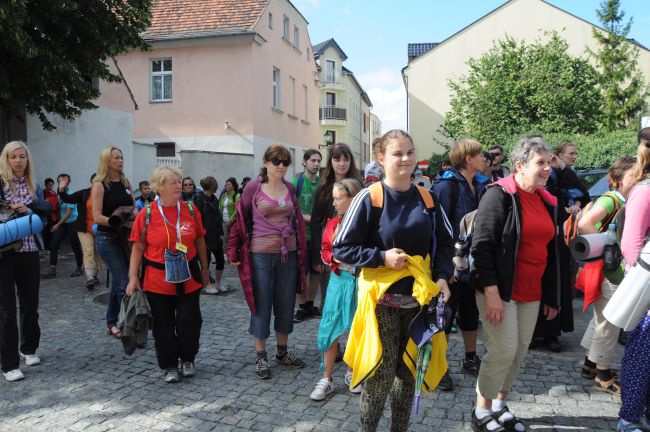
pixel 102 298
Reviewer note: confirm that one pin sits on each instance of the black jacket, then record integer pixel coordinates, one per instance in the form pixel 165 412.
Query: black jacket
pixel 559 183
pixel 80 198
pixel 211 217
pixel 495 243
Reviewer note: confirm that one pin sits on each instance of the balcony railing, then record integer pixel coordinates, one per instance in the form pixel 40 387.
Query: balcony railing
pixel 168 161
pixel 329 112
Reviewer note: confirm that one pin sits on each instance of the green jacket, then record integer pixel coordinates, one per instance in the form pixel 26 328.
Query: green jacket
pixel 231 204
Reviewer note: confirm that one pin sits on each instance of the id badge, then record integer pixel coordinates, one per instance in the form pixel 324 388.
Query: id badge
pixel 181 247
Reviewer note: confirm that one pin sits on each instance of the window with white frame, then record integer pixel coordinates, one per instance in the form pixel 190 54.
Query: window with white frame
pixel 296 37
pixel 306 93
pixel 276 88
pixel 161 80
pixel 270 20
pixel 285 28
pixel 293 95
pixel 330 71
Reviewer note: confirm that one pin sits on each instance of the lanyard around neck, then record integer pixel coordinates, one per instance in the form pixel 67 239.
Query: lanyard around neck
pixel 178 222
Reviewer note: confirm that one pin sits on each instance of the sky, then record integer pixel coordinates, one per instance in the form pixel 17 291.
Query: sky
pixel 375 35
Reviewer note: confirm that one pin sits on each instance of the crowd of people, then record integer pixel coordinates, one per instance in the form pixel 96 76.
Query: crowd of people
pixel 398 266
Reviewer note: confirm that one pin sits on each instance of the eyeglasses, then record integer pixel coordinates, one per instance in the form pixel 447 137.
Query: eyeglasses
pixel 188 184
pixel 277 162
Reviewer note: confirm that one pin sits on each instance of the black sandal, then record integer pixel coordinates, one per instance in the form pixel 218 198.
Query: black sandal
pixel 509 425
pixel 588 372
pixel 481 425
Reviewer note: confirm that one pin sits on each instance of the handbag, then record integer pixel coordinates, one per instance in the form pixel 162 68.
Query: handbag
pixel 632 297
pixel 177 269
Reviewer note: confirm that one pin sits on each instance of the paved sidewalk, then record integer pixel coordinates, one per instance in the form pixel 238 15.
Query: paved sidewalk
pixel 86 382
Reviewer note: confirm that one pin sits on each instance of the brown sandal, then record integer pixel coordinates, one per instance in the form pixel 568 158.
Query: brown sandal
pixel 114 331
pixel 612 386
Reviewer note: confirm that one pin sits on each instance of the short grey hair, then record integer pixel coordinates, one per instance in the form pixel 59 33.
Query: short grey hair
pixel 523 151
pixel 163 173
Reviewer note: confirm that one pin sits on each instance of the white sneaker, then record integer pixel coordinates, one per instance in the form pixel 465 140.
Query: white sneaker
pixel 323 387
pixel 31 359
pixel 348 381
pixel 222 289
pixel 14 375
pixel 211 289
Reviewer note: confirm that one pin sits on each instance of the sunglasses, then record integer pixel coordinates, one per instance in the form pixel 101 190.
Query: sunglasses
pixel 495 154
pixel 277 162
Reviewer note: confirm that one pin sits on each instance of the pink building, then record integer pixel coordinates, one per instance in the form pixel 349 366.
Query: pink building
pixel 223 80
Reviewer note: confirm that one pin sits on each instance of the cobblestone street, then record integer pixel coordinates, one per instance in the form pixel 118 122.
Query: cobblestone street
pixel 86 383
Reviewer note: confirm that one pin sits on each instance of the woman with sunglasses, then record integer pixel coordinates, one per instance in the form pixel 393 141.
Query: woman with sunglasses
pixel 190 190
pixel 267 243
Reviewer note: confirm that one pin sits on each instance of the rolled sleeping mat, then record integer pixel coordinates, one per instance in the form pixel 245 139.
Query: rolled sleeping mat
pixel 21 227
pixel 632 297
pixel 588 246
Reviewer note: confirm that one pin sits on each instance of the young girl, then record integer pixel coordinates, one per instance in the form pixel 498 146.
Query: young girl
pixel 395 250
pixel 340 304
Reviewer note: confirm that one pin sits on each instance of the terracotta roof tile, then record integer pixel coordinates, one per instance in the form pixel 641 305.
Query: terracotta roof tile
pixel 192 16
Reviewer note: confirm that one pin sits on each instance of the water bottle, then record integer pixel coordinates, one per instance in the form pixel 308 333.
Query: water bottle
pixel 610 252
pixel 611 234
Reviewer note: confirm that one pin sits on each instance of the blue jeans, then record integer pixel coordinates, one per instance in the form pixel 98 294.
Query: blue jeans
pixel 111 251
pixel 274 288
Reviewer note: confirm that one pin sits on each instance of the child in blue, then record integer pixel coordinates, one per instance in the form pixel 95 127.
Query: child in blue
pixel 340 303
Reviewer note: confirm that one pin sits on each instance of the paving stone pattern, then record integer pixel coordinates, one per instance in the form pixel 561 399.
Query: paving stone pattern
pixel 87 383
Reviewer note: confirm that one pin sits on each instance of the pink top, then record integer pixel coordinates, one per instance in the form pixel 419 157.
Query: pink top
pixel 637 222
pixel 278 213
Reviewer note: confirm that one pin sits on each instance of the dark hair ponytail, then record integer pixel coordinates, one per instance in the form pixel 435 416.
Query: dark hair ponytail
pixel 264 175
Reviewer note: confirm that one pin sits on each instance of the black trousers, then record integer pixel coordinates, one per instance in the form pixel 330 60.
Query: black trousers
pixel 217 250
pixel 68 231
pixel 19 273
pixel 177 325
pixel 463 300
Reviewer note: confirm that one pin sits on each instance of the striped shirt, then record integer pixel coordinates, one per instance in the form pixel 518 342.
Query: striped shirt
pixel 277 215
pixel 22 196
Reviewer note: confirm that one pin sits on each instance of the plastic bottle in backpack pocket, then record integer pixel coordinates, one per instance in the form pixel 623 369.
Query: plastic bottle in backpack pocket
pixel 461 253
pixel 611 252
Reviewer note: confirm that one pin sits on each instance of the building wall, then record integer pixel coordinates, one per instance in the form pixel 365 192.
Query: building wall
pixel 427 76
pixel 229 79
pixel 348 96
pixel 199 164
pixel 375 131
pixel 74 146
pixel 294 124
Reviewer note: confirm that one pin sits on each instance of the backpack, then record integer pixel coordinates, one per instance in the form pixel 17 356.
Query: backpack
pixel 463 260
pixel 570 226
pixel 455 190
pixel 147 217
pixel 299 184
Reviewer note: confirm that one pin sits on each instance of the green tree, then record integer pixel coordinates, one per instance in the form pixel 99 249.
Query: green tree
pixel 50 51
pixel 622 84
pixel 514 88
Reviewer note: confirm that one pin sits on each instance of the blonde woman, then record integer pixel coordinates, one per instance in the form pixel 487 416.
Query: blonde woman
pixel 635 366
pixel 174 230
pixel 111 190
pixel 19 268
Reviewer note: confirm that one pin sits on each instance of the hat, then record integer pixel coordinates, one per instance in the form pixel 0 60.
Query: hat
pixel 432 319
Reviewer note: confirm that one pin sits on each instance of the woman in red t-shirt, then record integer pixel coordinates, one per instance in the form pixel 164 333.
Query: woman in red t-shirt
pixel 174 226
pixel 514 248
